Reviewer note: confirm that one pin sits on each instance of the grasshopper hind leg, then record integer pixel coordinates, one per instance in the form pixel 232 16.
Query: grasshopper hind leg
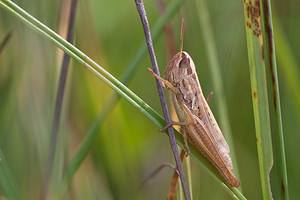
pixel 174 124
pixel 183 132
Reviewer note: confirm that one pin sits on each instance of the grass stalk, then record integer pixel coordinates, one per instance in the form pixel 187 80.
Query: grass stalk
pixel 189 175
pixel 270 60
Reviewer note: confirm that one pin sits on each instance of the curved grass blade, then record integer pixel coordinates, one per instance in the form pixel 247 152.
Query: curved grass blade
pixel 259 92
pixel 111 81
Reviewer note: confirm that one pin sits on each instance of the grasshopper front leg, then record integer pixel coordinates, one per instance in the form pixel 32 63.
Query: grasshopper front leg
pixel 165 82
pixel 182 124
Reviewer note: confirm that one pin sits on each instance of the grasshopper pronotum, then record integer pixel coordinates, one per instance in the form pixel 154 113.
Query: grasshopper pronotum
pixel 198 124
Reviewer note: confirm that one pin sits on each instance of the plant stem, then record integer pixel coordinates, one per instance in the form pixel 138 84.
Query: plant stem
pixel 142 13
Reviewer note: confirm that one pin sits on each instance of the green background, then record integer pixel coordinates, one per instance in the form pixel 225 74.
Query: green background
pixel 128 146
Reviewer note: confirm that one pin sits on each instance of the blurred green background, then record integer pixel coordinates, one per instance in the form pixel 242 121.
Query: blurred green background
pixel 128 146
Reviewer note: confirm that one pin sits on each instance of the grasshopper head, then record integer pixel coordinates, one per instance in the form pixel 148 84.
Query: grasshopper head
pixel 179 67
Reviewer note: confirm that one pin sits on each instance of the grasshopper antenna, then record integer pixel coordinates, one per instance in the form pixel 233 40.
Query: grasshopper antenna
pixel 181 34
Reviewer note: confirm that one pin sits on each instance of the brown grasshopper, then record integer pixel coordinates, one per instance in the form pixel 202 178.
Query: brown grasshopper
pixel 198 124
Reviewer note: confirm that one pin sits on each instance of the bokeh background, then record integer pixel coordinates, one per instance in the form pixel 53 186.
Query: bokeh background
pixel 128 146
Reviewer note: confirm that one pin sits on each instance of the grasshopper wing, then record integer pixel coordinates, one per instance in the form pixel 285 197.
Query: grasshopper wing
pixel 200 137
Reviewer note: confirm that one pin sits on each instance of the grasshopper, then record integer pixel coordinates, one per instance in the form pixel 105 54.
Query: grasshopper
pixel 198 124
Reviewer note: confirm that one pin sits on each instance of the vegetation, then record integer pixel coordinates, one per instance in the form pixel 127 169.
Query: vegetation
pixel 106 147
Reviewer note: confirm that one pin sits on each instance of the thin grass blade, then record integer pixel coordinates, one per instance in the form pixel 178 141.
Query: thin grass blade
pixel 280 178
pixel 5 41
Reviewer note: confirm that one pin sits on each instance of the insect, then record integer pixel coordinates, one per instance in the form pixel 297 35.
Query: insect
pixel 198 124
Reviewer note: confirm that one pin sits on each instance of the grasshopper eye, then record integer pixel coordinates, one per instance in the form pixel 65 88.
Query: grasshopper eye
pixel 185 62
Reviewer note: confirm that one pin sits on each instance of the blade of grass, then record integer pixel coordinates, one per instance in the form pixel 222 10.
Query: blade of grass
pixel 111 81
pixel 288 63
pixel 83 59
pixel 270 60
pixel 220 97
pixel 259 93
pixel 114 98
pixel 8 183
pixel 189 175
pixel 5 41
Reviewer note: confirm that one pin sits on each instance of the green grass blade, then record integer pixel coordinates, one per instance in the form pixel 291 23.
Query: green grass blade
pixel 288 63
pixel 217 80
pixel 280 178
pixel 79 56
pixel 111 81
pixel 7 181
pixel 259 93
pixel 8 184
pixel 189 175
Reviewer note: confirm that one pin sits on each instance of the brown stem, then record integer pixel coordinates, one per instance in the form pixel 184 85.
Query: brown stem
pixel 174 181
pixel 170 39
pixel 58 106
